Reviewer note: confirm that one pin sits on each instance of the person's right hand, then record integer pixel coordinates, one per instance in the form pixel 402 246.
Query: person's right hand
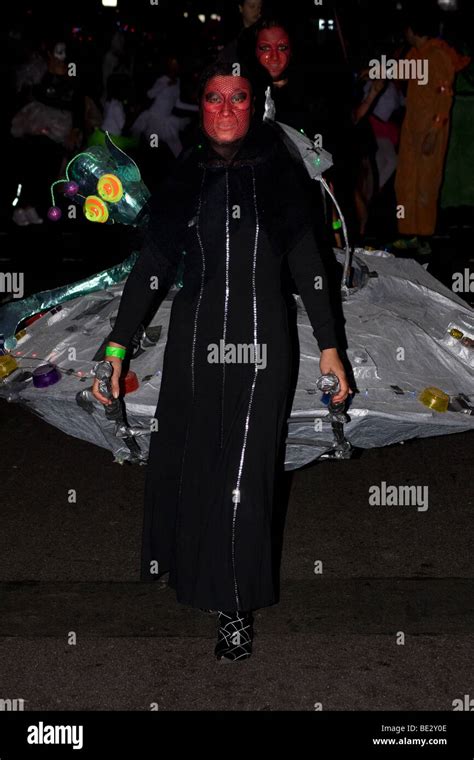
pixel 114 381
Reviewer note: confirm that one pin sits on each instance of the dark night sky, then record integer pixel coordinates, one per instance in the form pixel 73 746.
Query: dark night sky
pixel 365 24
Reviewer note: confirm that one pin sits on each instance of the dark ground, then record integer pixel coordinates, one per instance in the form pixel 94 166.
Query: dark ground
pixel 74 568
pixel 332 639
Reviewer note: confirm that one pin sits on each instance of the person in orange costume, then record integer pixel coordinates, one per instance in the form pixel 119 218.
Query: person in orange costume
pixel 424 136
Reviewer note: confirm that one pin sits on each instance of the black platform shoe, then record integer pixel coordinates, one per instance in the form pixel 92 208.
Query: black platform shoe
pixel 235 636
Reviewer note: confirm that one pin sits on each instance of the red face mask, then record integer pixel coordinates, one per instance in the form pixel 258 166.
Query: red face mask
pixel 274 50
pixel 226 108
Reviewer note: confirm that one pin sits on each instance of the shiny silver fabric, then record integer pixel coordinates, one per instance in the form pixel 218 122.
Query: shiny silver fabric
pixel 196 320
pixel 402 306
pixel 14 312
pixel 226 297
pixel 203 273
pixel 236 491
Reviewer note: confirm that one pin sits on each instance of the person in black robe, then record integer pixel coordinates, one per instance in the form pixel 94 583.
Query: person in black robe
pixel 312 92
pixel 236 205
pixel 250 12
pixel 277 58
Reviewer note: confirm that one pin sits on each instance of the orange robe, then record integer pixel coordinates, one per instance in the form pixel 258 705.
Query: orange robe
pixel 428 106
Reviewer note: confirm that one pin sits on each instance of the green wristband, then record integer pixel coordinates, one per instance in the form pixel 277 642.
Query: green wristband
pixel 115 351
pixel 337 224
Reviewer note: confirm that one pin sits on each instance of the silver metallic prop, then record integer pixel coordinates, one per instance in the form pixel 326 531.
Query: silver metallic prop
pixel 341 449
pixel 403 306
pixel 316 161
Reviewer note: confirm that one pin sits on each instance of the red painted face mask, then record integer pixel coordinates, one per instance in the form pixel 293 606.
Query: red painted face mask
pixel 274 50
pixel 226 108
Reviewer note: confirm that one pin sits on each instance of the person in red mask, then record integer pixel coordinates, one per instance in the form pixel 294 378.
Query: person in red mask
pixel 235 204
pixel 275 66
pixel 305 108
pixel 227 107
pixel 273 51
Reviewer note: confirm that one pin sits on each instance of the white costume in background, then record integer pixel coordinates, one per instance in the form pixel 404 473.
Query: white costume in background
pixel 114 117
pixel 386 156
pixel 159 119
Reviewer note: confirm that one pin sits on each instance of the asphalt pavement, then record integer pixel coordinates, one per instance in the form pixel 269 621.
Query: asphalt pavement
pixel 377 602
pixel 376 609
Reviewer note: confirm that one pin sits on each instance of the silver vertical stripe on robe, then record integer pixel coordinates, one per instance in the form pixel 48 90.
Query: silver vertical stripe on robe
pixel 203 272
pixel 196 317
pixel 236 491
pixel 226 300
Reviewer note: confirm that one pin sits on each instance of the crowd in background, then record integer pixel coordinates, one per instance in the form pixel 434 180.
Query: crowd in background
pixel 66 88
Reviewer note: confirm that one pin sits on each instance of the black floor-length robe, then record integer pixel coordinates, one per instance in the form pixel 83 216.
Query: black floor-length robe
pixel 212 463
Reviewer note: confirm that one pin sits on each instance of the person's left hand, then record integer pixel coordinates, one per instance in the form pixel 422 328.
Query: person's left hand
pixel 330 362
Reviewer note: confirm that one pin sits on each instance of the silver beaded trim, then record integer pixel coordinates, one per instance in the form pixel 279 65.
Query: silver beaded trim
pixel 197 220
pixel 203 272
pixel 236 490
pixel 226 300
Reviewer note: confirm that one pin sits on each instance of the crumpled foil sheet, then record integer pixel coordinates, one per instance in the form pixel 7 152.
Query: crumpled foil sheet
pixel 14 312
pixel 397 326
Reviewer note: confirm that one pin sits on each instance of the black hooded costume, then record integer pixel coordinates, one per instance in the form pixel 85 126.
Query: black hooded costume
pixel 221 426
